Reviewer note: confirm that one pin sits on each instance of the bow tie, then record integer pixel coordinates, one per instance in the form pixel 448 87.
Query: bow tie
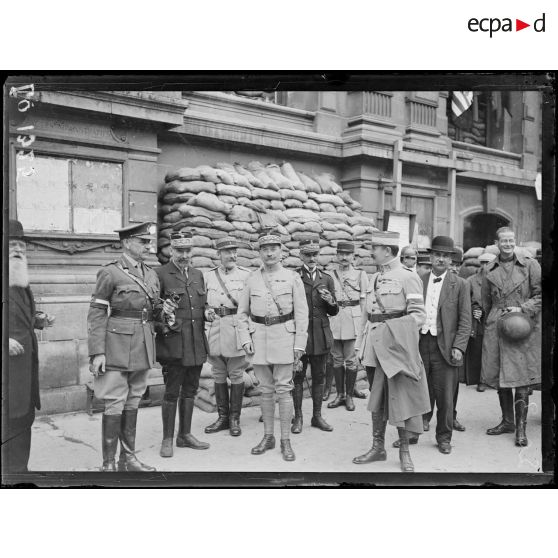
pixel 437 279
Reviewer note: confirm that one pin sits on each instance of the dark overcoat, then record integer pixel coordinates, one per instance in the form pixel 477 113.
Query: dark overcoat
pixel 453 321
pixel 186 342
pixel 23 370
pixel 509 364
pixel 320 338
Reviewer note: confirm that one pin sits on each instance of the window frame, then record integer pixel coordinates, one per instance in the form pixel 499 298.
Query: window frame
pixel 70 151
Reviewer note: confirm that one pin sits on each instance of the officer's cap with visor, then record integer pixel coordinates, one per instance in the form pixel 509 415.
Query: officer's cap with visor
pixel 310 245
pixel 269 237
pixel 344 246
pixel 226 243
pixel 146 231
pixel 181 239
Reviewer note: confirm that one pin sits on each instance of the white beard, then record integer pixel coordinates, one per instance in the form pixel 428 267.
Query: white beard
pixel 19 276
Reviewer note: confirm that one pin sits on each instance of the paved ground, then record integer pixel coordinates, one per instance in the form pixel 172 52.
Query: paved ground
pixel 72 442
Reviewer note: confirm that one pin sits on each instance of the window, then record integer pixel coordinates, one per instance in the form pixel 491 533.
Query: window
pixel 69 195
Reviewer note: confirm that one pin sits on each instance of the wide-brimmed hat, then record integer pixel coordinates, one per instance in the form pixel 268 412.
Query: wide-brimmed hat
pixel 442 244
pixel 15 230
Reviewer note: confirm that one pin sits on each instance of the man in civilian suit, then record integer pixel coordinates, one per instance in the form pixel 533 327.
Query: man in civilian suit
pixel 443 337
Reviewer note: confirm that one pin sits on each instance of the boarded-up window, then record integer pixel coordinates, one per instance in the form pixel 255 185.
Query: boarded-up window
pixel 69 195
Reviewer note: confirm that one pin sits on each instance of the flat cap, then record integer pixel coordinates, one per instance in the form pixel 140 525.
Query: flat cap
pixel 487 257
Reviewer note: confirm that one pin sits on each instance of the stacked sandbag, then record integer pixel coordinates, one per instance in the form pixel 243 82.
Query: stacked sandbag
pixel 471 261
pixel 240 200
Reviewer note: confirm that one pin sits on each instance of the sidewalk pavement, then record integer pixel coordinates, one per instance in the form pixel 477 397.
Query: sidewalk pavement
pixel 72 442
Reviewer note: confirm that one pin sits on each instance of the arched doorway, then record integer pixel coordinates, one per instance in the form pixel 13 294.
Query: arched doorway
pixel 480 229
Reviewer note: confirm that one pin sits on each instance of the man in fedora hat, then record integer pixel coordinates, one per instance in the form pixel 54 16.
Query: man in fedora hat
pixel 387 345
pixel 511 283
pixel 318 287
pixel 350 292
pixel 20 385
pixel 443 337
pixel 273 322
pixel 227 358
pixel 182 345
pixel 122 342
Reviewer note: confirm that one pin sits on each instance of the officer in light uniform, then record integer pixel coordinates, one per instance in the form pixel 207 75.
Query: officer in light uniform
pixel 225 284
pixel 273 321
pixel 122 342
pixel 388 342
pixel 350 292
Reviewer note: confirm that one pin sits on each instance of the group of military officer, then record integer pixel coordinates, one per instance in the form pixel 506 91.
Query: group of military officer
pixel 279 321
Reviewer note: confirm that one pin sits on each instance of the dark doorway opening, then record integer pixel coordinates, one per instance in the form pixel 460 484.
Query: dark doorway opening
pixel 480 229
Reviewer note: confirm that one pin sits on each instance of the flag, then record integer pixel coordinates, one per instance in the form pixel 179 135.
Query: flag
pixel 460 102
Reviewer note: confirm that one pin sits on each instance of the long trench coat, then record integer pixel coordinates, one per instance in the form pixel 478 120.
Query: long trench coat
pixel 507 364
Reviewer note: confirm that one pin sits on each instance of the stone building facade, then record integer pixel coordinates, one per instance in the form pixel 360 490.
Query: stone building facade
pixel 100 157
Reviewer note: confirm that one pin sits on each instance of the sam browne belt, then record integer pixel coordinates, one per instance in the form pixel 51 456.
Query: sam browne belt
pixel 224 311
pixel 143 315
pixel 374 318
pixel 272 320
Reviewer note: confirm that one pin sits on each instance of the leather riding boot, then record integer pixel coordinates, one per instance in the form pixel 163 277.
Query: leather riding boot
pixel 287 451
pixel 339 373
pixel 506 404
pixel 237 394
pixel 168 410
pixel 350 379
pixel 377 452
pixel 370 371
pixel 317 399
pixel 110 431
pixel 521 407
pixel 328 380
pixel 185 439
pixel 268 442
pixel 222 400
pixel 404 454
pixel 413 439
pixel 298 392
pixel 128 460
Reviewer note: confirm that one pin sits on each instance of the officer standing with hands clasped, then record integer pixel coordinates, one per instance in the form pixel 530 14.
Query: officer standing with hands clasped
pixel 226 355
pixel 388 342
pixel 273 320
pixel 181 345
pixel 318 287
pixel 122 342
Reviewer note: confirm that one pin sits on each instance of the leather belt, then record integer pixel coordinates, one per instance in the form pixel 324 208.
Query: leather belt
pixel 344 303
pixel 272 320
pixel 375 318
pixel 143 315
pixel 224 311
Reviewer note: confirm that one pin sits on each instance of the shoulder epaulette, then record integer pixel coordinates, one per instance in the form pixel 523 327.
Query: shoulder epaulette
pixel 114 262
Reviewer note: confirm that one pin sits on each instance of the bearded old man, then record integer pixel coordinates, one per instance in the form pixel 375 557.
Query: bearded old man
pixel 21 384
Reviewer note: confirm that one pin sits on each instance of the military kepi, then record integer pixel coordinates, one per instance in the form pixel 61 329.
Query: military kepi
pixel 385 238
pixel 344 246
pixel 270 236
pixel 309 245
pixel 146 231
pixel 442 244
pixel 226 243
pixel 181 239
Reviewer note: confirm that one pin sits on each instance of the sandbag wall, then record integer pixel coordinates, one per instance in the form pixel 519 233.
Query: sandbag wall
pixel 237 200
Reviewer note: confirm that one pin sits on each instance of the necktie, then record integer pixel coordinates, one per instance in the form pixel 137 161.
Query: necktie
pixel 437 279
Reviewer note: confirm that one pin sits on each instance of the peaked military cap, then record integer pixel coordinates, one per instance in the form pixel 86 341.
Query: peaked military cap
pixel 309 245
pixel 226 243
pixel 269 236
pixel 385 238
pixel 344 246
pixel 145 230
pixel 181 239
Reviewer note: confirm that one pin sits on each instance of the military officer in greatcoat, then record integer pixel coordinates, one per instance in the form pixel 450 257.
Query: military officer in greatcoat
pixel 226 355
pixel 122 342
pixel 273 321
pixel 388 342
pixel 319 289
pixel 181 343
pixel 350 292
